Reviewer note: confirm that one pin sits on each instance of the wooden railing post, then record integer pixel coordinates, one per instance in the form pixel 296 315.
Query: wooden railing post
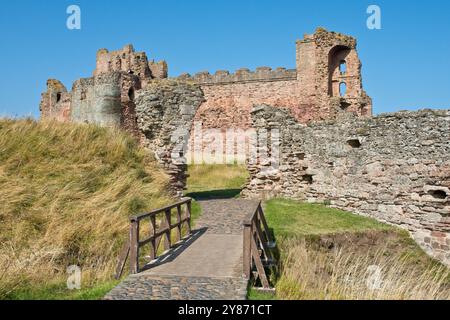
pixel 167 240
pixel 257 247
pixel 264 223
pixel 153 241
pixel 178 230
pixel 134 246
pixel 189 212
pixel 247 255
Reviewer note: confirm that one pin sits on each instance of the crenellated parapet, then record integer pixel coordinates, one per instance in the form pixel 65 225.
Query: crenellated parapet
pixel 261 74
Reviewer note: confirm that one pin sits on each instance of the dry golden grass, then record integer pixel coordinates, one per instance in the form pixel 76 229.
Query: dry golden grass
pixel 66 192
pixel 313 273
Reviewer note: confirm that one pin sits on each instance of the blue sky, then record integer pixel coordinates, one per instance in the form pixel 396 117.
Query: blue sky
pixel 406 65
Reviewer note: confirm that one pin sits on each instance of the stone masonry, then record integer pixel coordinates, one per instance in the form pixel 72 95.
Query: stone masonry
pixel 107 98
pixel 164 111
pixel 325 61
pixel 393 167
pixel 310 92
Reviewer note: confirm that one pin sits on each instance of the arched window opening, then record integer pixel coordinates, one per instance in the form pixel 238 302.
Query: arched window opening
pixel 58 97
pixel 343 67
pixel 131 94
pixel 337 69
pixel 342 89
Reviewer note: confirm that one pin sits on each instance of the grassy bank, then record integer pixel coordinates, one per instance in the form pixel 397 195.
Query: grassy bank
pixel 67 191
pixel 332 254
pixel 326 253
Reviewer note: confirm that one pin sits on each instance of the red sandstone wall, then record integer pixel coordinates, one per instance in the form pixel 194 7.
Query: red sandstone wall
pixel 229 105
pixel 55 102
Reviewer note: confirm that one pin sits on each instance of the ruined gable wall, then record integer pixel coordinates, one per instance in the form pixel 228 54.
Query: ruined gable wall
pixel 56 102
pixel 393 167
pixel 165 110
pixel 319 57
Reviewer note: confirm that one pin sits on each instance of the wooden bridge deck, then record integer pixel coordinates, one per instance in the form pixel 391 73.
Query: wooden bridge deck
pixel 207 266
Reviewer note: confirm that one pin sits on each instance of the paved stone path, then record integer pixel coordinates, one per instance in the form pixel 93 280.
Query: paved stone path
pixel 207 266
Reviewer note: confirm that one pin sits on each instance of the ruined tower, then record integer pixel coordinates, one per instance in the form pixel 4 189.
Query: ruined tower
pixel 106 98
pixel 329 74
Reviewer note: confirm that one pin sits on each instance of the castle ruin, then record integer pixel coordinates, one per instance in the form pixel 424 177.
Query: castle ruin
pixel 393 167
pixel 327 81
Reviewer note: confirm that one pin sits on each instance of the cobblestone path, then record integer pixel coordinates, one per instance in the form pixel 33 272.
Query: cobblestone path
pixel 207 266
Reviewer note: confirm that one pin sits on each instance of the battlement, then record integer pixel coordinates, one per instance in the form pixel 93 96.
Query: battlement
pixel 127 60
pixel 261 74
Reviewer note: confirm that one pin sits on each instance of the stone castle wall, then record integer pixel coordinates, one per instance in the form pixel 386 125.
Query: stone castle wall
pixel 310 92
pixel 164 111
pixel 393 167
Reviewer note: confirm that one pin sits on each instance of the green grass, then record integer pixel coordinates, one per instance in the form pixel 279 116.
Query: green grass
pixel 254 294
pixel 216 180
pixel 59 291
pixel 196 211
pixel 293 218
pixel 290 218
pixel 362 241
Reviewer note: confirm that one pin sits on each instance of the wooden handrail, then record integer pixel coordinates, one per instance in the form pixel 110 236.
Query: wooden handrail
pixel 157 234
pixel 257 246
pixel 159 210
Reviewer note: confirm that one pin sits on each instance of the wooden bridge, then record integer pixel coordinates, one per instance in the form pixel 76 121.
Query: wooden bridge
pixel 230 246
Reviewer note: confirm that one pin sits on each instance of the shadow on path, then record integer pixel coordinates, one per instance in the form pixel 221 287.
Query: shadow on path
pixel 215 194
pixel 176 250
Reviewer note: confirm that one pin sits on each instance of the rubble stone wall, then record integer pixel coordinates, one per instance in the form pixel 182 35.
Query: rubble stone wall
pixel 392 167
pixel 165 110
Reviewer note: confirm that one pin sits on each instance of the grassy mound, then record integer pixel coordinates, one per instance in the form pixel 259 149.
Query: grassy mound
pixel 67 191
